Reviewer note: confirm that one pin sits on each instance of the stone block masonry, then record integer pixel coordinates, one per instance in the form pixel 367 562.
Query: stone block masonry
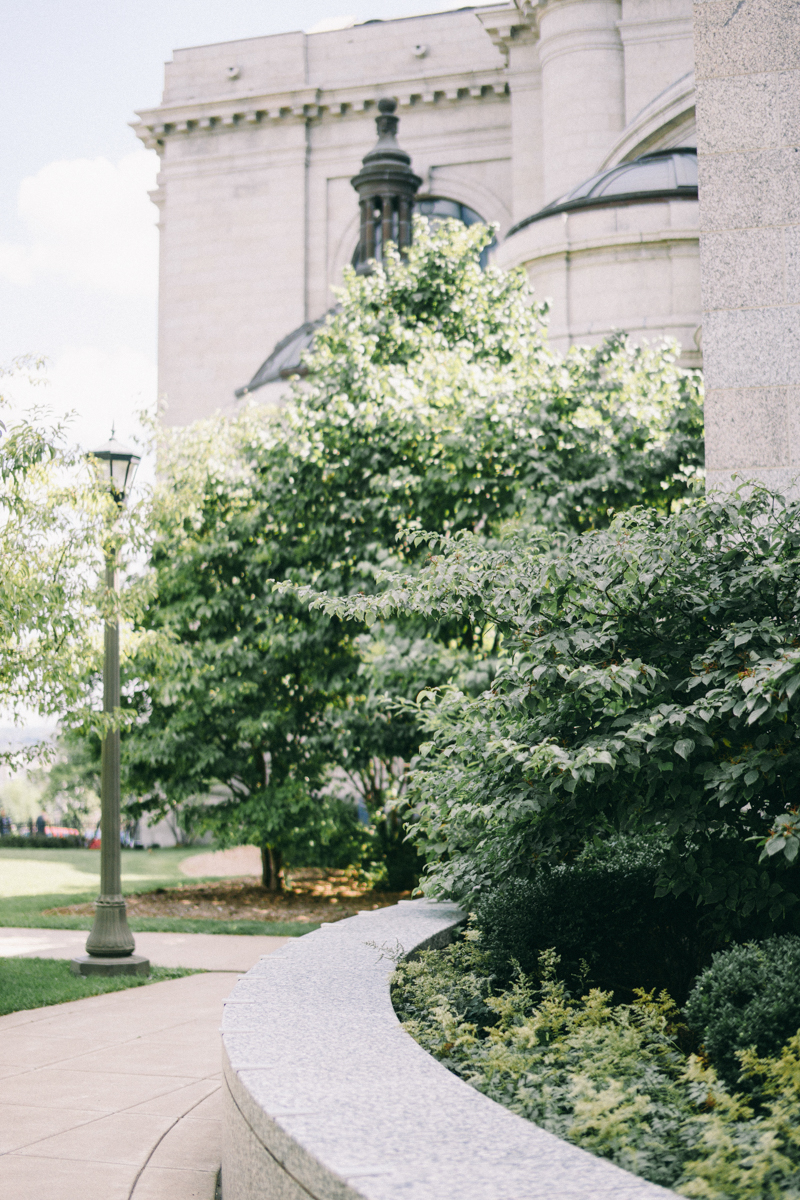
pixel 328 1098
pixel 747 63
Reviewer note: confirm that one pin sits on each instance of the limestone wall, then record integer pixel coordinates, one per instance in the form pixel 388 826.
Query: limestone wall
pixel 258 142
pixel 502 107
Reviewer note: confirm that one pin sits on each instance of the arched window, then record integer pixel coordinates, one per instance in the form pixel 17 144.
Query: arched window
pixel 436 209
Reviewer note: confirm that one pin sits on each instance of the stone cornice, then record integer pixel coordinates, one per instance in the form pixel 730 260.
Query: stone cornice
pixel 508 23
pixel 303 104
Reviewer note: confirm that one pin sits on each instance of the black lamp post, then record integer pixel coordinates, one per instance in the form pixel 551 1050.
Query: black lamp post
pixel 110 945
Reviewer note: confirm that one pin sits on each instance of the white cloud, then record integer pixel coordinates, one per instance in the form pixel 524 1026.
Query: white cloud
pixel 100 387
pixel 92 221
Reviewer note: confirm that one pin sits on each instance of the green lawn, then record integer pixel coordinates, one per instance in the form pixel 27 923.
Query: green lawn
pixel 35 880
pixel 73 872
pixel 37 982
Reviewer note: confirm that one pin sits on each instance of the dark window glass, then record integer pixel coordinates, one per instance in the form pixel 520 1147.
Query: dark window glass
pixel 437 209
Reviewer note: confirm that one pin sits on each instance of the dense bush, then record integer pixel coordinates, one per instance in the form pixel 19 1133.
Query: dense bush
pixel 609 1078
pixel 748 997
pixel 41 841
pixel 603 918
pixel 649 680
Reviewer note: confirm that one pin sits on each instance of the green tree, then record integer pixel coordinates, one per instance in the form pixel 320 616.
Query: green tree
pixel 51 508
pixel 73 780
pixel 432 402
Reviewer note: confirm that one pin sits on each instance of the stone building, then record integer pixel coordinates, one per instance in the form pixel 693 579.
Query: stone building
pixel 568 123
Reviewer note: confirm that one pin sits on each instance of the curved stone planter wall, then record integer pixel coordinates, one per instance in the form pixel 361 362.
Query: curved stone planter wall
pixel 328 1097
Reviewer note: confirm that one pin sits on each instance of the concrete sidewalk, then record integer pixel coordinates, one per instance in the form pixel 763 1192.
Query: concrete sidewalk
pixel 116 1097
pixel 205 951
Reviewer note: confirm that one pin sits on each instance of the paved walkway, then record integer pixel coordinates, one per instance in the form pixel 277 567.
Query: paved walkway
pixel 116 1097
pixel 208 951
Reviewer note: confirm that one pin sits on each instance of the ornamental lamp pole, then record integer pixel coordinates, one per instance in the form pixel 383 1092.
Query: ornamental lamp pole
pixel 110 945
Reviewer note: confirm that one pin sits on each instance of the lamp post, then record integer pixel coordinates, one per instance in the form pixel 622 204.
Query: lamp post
pixel 110 944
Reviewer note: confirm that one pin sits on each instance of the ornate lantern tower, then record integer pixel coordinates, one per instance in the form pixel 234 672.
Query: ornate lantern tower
pixel 386 188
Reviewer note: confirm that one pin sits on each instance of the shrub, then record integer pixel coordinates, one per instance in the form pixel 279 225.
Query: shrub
pixel 609 1078
pixel 41 841
pixel 649 680
pixel 748 997
pixel 603 918
pixel 601 1076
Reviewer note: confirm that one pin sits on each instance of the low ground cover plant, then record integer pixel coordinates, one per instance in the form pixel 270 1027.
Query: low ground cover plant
pixel 618 1080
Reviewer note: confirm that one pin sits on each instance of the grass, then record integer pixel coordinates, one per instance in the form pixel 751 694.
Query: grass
pixel 39 982
pixel 29 912
pixel 32 881
pixel 34 872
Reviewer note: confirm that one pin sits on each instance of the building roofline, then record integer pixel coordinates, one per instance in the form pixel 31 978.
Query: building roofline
pixel 444 12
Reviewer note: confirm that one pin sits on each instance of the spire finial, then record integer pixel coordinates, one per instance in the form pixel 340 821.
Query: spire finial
pixel 386 187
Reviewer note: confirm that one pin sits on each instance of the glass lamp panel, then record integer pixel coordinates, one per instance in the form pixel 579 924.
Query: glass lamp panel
pixel 132 465
pixel 119 474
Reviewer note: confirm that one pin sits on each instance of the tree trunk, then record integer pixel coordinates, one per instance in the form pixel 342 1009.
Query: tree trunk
pixel 271 868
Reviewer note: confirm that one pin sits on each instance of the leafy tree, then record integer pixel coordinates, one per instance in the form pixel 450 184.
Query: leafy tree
pixel 51 508
pixel 651 681
pixel 73 780
pixel 432 402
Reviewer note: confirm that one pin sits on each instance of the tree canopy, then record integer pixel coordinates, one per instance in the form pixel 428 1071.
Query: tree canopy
pixel 54 516
pixel 432 402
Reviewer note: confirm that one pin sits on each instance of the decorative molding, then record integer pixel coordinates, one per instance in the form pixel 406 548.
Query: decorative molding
pixel 524 250
pixel 507 23
pixel 166 121
pixel 670 109
pixel 664 29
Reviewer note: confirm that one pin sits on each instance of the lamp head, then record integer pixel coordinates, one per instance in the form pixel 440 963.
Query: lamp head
pixel 118 465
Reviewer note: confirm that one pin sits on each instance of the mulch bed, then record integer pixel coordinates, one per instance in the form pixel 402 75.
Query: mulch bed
pixel 310 895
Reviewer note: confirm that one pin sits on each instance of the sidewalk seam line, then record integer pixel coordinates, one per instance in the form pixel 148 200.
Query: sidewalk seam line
pixel 160 1140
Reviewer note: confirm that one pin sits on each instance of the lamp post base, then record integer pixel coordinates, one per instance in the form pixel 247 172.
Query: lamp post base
pixel 90 964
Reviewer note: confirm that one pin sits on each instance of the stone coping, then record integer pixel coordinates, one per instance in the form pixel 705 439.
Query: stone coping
pixel 327 1096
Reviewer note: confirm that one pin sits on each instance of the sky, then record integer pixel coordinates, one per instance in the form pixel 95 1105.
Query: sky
pixel 78 242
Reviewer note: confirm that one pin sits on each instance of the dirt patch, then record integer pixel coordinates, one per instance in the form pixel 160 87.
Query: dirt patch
pixel 311 895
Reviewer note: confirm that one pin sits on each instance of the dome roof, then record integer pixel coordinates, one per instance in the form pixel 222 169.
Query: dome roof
pixel 286 359
pixel 663 175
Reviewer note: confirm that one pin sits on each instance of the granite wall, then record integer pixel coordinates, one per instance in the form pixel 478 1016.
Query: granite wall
pixel 747 64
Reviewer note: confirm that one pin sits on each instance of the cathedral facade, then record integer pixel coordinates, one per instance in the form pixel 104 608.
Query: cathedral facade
pixel 567 123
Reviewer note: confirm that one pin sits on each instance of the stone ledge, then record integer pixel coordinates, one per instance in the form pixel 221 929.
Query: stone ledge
pixel 327 1097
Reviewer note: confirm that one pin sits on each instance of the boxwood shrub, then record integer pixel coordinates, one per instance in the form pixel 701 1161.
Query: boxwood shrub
pixel 602 917
pixel 748 997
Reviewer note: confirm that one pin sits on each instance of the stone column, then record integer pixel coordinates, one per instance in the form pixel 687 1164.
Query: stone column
pixel 583 89
pixel 525 81
pixel 747 55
